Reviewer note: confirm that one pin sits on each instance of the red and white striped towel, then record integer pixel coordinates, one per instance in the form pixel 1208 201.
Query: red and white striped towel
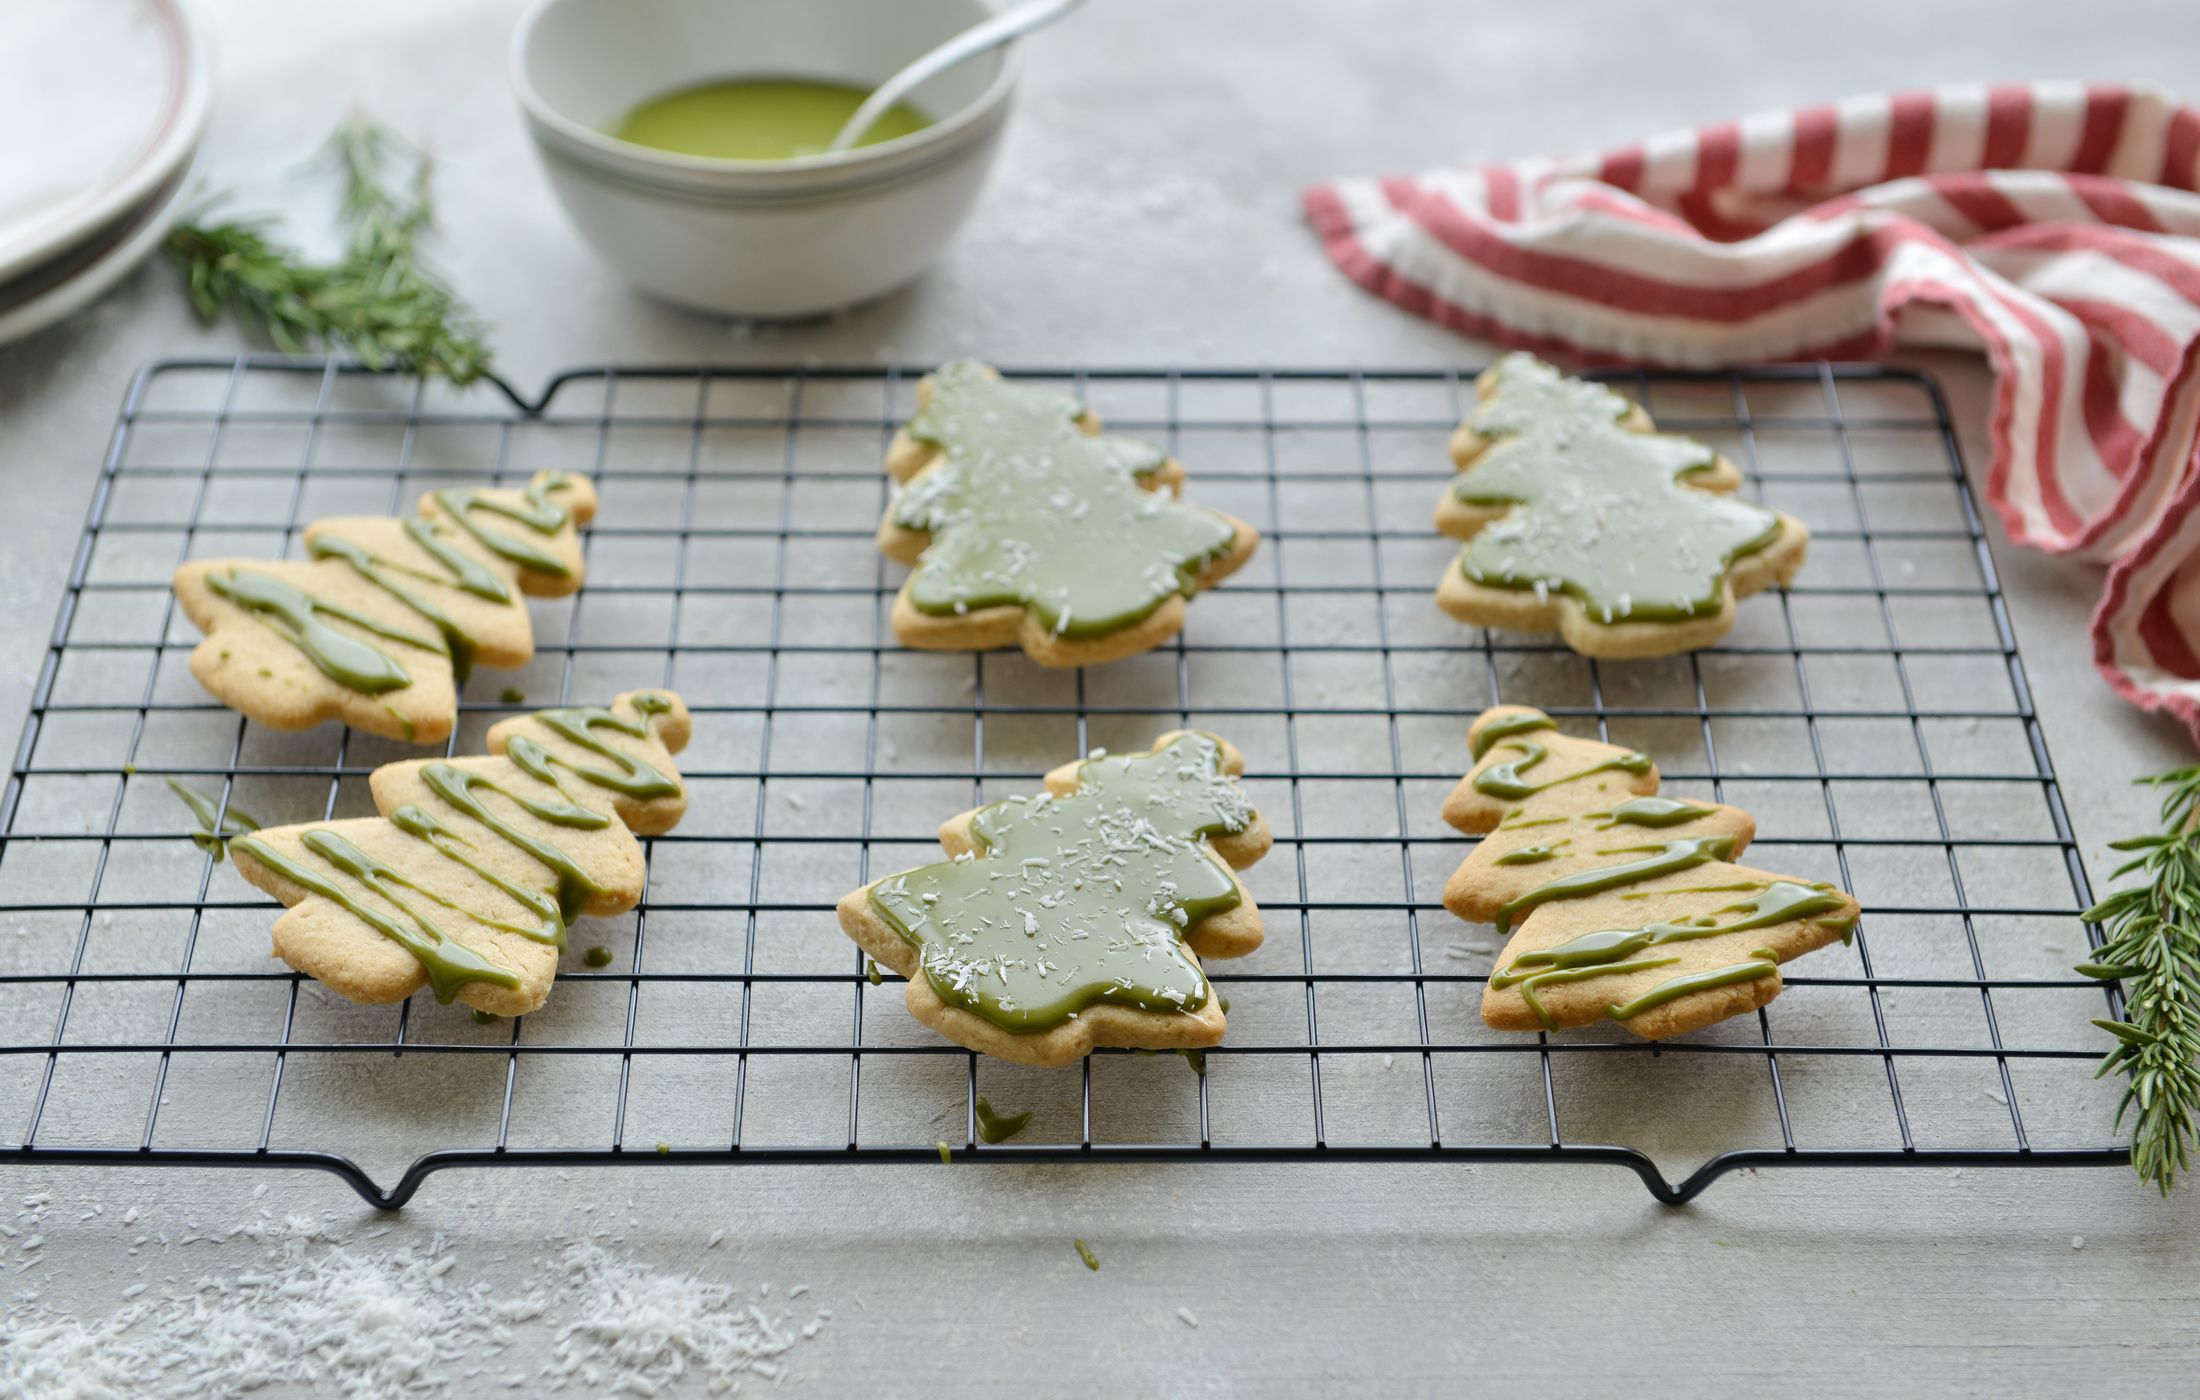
pixel 2055 227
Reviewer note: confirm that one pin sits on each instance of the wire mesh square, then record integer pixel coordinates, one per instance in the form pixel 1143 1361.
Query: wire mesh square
pixel 1875 717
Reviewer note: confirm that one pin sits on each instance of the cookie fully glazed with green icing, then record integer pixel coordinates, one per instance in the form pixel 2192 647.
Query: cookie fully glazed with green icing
pixel 1027 525
pixel 1620 904
pixel 467 881
pixel 1580 518
pixel 1078 918
pixel 387 615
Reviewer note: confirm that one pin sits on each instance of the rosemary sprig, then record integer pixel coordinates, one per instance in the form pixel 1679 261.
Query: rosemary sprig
pixel 377 299
pixel 2153 948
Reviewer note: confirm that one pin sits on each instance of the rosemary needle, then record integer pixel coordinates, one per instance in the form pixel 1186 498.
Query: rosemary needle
pixel 2153 947
pixel 376 299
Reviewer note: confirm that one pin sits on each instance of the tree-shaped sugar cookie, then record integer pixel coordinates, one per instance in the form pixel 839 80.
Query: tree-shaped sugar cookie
pixel 1027 525
pixel 388 614
pixel 1581 518
pixel 1621 905
pixel 466 882
pixel 1078 918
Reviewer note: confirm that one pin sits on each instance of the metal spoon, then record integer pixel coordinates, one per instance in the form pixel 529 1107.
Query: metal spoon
pixel 1007 25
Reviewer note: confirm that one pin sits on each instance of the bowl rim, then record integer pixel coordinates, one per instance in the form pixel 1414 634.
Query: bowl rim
pixel 626 157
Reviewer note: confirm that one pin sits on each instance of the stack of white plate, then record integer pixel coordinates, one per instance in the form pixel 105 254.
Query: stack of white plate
pixel 104 102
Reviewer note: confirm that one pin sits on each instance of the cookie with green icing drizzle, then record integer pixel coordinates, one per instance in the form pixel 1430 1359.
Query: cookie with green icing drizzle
pixel 1580 518
pixel 1026 525
pixel 1079 918
pixel 468 880
pixel 1620 904
pixel 386 616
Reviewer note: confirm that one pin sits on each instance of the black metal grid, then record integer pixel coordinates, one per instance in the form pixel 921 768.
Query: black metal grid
pixel 1876 716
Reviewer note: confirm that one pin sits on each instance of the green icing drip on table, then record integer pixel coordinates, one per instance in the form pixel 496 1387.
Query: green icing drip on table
pixel 1074 900
pixel 1025 509
pixel 1598 512
pixel 999 1127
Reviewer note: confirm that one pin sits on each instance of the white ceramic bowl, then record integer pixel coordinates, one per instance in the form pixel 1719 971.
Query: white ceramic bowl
pixel 757 238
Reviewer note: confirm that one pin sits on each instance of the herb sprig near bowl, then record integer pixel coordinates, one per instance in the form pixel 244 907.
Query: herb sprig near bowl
pixel 2153 949
pixel 377 299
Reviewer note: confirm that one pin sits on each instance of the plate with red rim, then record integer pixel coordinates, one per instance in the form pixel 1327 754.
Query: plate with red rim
pixel 117 93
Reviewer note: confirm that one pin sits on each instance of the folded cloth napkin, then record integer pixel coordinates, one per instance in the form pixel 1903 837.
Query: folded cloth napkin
pixel 2055 227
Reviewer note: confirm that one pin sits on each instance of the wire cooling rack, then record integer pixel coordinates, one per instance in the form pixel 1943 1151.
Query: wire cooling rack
pixel 1875 717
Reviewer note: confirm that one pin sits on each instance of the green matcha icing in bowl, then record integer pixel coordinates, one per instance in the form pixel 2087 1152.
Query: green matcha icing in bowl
pixel 661 125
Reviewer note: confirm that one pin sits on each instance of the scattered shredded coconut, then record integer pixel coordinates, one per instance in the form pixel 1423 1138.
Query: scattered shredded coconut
pixel 405 1321
pixel 1189 1320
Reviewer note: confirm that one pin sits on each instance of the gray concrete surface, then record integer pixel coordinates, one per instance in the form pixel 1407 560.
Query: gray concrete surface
pixel 1145 213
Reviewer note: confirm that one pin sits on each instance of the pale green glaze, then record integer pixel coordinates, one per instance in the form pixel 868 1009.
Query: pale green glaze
pixel 449 964
pixel 1678 987
pixel 1666 858
pixel 296 614
pixel 1651 811
pixel 1606 952
pixel 1599 513
pixel 1531 855
pixel 1026 510
pixel 1079 899
pixel 759 119
pixel 1508 781
pixel 1524 722
pixel 534 510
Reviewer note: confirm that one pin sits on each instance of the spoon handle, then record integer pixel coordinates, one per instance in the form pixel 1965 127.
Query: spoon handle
pixel 973 41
